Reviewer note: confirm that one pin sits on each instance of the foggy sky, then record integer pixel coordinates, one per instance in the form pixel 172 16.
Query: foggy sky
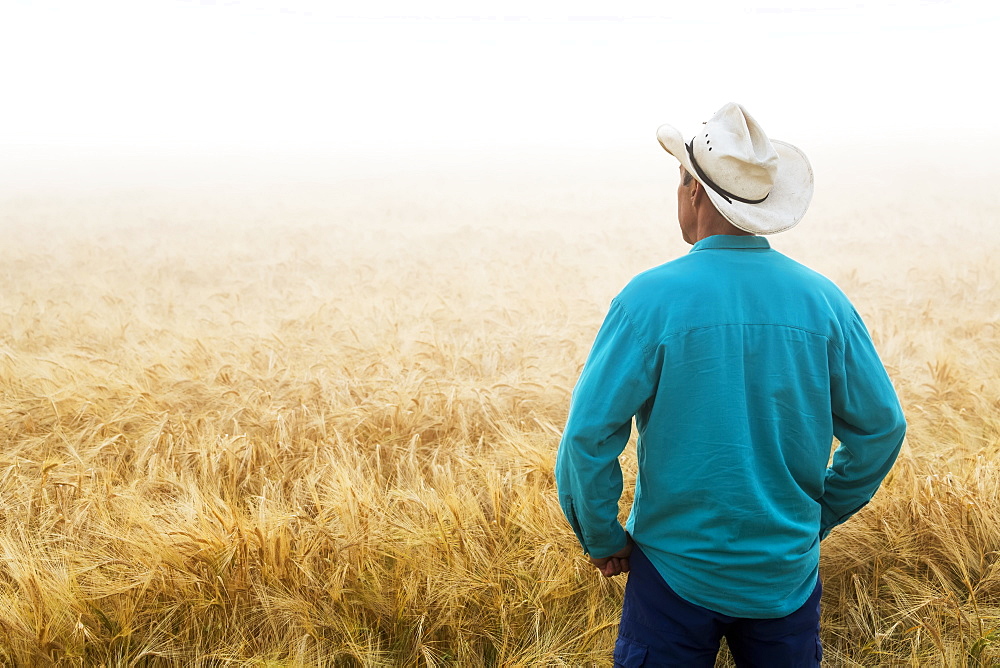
pixel 182 75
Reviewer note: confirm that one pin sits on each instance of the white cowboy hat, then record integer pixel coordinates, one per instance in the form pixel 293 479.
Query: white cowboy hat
pixel 760 185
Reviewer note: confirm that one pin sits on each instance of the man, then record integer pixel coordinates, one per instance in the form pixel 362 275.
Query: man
pixel 739 366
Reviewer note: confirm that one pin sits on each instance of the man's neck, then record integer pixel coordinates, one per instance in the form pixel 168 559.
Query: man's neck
pixel 716 225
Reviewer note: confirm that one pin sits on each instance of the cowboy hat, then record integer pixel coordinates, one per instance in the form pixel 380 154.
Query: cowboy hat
pixel 760 185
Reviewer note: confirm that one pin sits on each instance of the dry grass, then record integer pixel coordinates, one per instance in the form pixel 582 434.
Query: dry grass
pixel 295 427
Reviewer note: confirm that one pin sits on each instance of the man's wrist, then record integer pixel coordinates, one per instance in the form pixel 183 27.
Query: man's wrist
pixel 605 550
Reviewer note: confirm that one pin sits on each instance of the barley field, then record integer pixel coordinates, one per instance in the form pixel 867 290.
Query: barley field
pixel 264 420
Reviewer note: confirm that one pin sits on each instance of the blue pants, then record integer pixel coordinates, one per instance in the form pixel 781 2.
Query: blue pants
pixel 659 628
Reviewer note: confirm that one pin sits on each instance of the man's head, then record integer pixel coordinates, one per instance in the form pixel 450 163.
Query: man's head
pixel 696 214
pixel 733 172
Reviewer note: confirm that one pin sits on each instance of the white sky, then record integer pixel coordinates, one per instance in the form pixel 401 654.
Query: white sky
pixel 434 74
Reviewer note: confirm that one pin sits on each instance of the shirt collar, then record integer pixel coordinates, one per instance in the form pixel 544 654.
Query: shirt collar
pixel 731 241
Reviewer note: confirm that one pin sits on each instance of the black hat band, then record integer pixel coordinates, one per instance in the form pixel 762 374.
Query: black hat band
pixel 726 195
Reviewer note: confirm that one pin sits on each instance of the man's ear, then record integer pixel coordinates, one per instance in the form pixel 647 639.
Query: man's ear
pixel 697 191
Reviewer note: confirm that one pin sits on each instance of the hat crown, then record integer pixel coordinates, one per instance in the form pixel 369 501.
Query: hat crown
pixel 735 153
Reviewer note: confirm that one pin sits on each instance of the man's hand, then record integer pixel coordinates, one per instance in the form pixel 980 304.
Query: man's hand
pixel 617 563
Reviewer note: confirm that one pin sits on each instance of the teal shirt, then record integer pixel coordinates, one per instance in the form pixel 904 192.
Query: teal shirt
pixel 740 366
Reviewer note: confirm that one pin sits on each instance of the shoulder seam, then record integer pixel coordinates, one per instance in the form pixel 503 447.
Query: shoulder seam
pixel 647 351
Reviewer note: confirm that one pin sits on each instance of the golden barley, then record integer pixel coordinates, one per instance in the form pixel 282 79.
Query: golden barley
pixel 300 428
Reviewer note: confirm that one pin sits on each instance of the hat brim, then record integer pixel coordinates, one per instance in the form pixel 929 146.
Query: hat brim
pixel 785 205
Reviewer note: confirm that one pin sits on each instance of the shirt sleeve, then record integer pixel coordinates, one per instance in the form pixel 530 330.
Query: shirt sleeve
pixel 867 420
pixel 617 379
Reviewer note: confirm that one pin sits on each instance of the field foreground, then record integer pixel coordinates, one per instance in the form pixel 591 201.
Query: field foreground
pixel 297 426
